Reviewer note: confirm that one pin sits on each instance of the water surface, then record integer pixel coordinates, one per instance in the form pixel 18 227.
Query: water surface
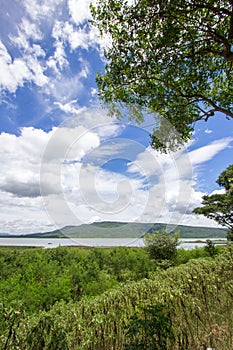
pixel 186 243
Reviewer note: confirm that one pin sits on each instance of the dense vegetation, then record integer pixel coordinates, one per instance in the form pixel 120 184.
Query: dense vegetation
pixel 76 298
pixel 37 278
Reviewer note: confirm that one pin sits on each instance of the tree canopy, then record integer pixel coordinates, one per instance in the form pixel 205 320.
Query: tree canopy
pixel 219 207
pixel 162 247
pixel 172 58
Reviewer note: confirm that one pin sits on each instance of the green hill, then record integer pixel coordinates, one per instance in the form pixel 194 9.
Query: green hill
pixel 108 229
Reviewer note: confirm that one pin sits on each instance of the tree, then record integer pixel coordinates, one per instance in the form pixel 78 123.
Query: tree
pixel 162 247
pixel 172 58
pixel 210 248
pixel 219 207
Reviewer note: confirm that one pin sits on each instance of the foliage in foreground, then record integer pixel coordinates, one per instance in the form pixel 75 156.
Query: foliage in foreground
pixel 36 279
pixel 194 301
pixel 173 58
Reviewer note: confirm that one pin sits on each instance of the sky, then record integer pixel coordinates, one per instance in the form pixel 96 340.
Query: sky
pixel 64 161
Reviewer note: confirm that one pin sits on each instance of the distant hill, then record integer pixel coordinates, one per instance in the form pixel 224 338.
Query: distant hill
pixel 108 229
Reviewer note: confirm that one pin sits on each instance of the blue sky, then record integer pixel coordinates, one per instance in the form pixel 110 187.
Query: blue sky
pixel 63 160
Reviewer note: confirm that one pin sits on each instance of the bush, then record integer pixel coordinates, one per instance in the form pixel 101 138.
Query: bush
pixel 162 247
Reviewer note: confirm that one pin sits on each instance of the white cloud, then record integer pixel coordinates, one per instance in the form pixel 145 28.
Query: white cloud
pixel 77 37
pixel 222 191
pixel 64 88
pixel 173 189
pixel 26 30
pixel 69 107
pixel 79 10
pixel 137 196
pixel 38 76
pixel 26 167
pixel 20 181
pixel 21 158
pixel 85 36
pixel 17 71
pixel 208 131
pixel 14 72
pixel 206 153
pixel 38 10
pixel 58 61
pixel 99 193
pixel 40 47
pixel 67 164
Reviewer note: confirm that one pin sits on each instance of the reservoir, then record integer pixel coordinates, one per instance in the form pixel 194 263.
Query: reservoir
pixel 186 243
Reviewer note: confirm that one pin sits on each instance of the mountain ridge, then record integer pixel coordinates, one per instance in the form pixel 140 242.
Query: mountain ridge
pixel 114 229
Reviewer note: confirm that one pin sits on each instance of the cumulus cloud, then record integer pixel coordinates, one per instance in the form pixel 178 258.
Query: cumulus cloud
pixel 38 161
pixel 173 189
pixel 23 155
pixel 21 158
pixel 29 188
pixel 79 10
pixel 68 165
pixel 14 72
